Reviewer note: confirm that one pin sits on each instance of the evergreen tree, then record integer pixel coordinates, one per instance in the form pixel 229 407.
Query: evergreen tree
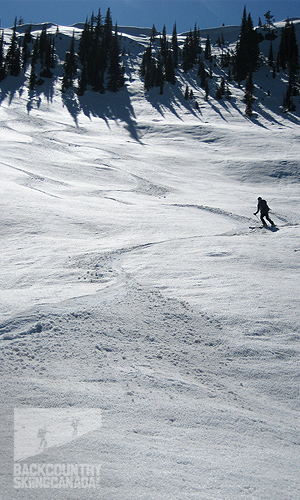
pixel 170 71
pixel 35 51
pixel 2 59
pixel 82 82
pixel 186 62
pixel 85 42
pixel 107 31
pixel 153 33
pixel 288 48
pixel 69 66
pixel 13 60
pixel 49 57
pixel 115 71
pixel 148 68
pixel 159 76
pixel 43 43
pixel 175 46
pixel 269 20
pixel 32 78
pixel 25 47
pixel 253 43
pixel 196 46
pixel 191 49
pixel 164 45
pixel 99 27
pixel 271 56
pixel 288 57
pixel 247 49
pixel 207 53
pixel 202 73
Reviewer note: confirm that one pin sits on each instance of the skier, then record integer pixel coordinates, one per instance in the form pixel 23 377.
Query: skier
pixel 263 208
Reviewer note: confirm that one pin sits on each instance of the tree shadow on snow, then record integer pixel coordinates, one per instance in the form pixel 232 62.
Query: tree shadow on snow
pixel 107 106
pixel 171 99
pixel 35 96
pixel 47 89
pixel 10 86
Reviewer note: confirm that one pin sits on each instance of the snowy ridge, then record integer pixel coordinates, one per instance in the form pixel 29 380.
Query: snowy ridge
pixel 132 283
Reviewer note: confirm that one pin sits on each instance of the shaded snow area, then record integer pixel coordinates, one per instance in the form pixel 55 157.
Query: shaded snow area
pixel 141 302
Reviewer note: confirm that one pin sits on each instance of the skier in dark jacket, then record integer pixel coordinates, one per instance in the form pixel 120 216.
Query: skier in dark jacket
pixel 263 208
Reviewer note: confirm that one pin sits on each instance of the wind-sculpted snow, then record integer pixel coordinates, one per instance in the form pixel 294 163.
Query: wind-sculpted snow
pixel 133 284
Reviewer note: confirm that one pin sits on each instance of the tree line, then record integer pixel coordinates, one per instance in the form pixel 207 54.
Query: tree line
pixel 97 62
pixel 161 59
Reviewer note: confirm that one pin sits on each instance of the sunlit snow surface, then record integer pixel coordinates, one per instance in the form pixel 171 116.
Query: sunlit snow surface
pixel 135 280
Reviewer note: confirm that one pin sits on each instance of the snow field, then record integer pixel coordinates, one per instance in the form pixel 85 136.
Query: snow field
pixel 131 282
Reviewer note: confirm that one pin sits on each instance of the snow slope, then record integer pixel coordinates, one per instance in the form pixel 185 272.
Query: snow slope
pixel 132 283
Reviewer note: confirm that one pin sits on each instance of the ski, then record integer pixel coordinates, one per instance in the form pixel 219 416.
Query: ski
pixel 271 228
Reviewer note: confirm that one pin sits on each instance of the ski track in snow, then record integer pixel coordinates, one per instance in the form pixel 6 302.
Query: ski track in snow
pixel 131 282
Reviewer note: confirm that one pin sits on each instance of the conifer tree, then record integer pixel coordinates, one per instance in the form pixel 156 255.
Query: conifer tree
pixel 186 64
pixel 35 51
pixel 187 53
pixel 25 48
pixel 247 49
pixel 49 57
pixel 169 68
pixel 159 76
pixel 99 27
pixel 82 81
pixel 288 48
pixel 32 78
pixel 2 59
pixel 207 53
pixel 85 42
pixel 175 46
pixel 115 71
pixel 107 31
pixel 13 62
pixel 43 44
pixel 69 66
pixel 163 45
pixel 288 57
pixel 202 73
pixel 196 46
pixel 153 33
pixel 148 68
pixel 269 20
pixel 271 56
